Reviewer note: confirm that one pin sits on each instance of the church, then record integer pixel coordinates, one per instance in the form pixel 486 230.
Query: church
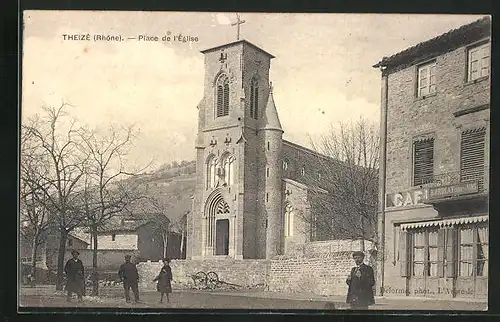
pixel 251 195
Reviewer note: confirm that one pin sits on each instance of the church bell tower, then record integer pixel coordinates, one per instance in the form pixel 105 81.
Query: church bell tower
pixel 231 210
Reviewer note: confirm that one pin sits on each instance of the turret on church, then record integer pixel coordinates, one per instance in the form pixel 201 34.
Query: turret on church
pixel 240 209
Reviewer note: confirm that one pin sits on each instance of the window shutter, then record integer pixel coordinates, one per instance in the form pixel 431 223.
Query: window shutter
pixel 220 101
pixel 403 254
pixel 226 99
pixel 472 156
pixel 451 251
pixel 441 247
pixel 256 109
pixel 423 163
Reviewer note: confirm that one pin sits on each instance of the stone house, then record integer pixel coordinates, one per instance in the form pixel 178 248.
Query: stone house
pixel 434 173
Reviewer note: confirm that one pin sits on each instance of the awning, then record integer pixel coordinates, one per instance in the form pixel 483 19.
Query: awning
pixel 445 223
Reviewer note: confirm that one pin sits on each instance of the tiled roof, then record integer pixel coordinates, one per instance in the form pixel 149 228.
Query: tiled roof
pixel 450 40
pixel 116 225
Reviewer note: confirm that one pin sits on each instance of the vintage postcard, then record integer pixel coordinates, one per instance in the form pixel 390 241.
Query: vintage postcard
pixel 249 161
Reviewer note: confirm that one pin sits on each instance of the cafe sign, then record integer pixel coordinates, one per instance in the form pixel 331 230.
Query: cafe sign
pixel 406 198
pixel 460 189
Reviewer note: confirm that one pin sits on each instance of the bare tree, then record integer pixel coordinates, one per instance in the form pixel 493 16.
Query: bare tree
pixel 34 213
pixel 107 193
pixel 56 140
pixel 349 175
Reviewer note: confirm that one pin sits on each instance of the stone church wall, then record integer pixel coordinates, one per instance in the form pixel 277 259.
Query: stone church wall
pixel 322 274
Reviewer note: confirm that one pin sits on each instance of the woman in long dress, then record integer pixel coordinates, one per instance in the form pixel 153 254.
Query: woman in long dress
pixel 164 279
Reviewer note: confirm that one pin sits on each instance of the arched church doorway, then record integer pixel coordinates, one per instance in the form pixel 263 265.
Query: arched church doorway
pixel 222 237
pixel 217 228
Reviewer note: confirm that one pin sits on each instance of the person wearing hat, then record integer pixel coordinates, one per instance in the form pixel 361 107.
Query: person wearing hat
pixel 75 275
pixel 361 282
pixel 130 277
pixel 164 279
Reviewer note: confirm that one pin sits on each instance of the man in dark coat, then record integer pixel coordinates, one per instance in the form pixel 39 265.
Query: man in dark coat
pixel 361 282
pixel 130 278
pixel 75 277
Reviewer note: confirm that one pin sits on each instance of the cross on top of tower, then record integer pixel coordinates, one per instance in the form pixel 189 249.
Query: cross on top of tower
pixel 237 24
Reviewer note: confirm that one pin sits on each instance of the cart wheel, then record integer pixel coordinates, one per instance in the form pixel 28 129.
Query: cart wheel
pixel 200 280
pixel 212 280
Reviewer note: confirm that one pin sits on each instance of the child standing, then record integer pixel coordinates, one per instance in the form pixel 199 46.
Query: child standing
pixel 164 278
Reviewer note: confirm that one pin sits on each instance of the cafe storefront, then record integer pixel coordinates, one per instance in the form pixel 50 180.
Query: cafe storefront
pixel 439 243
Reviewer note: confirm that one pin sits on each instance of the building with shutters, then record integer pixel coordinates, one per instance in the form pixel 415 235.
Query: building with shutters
pixel 251 195
pixel 434 182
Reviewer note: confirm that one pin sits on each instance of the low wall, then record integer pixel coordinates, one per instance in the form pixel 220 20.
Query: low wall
pixel 106 259
pixel 248 273
pixel 313 249
pixel 323 275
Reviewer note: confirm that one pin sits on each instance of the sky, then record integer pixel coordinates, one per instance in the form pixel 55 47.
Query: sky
pixel 322 73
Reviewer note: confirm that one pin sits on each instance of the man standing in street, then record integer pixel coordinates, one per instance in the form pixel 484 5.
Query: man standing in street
pixel 130 278
pixel 361 282
pixel 75 277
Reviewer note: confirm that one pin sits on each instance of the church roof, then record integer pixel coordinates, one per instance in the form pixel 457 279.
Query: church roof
pixel 270 119
pixel 235 43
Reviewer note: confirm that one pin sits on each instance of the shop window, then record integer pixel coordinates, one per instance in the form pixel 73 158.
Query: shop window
pixel 419 253
pixel 482 251
pixel 432 255
pixel 466 249
pixel 427 252
pixel 473 251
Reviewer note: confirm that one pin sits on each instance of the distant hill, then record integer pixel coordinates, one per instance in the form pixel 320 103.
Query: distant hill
pixel 173 185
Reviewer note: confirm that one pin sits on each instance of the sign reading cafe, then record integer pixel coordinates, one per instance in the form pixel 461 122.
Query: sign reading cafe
pixel 418 196
pixel 407 198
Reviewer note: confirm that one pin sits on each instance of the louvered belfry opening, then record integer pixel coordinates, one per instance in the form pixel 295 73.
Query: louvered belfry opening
pixel 222 96
pixel 254 98
pixel 472 154
pixel 423 161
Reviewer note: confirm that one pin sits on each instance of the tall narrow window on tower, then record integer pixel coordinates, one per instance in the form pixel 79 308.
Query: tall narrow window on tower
pixel 222 104
pixel 211 171
pixel 288 222
pixel 228 166
pixel 254 98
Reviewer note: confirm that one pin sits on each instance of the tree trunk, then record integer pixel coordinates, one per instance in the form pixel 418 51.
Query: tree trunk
pixel 165 244
pixel 362 233
pixel 95 273
pixel 33 259
pixel 60 258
